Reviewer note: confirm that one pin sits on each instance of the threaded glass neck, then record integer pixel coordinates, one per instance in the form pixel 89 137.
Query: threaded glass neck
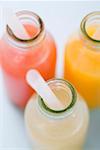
pixel 89 25
pixel 27 17
pixel 68 91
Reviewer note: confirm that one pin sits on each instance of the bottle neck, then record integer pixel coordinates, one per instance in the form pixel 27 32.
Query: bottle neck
pixel 89 25
pixel 66 93
pixel 31 22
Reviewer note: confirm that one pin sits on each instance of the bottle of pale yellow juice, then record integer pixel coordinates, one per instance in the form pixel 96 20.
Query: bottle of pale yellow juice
pixel 51 129
pixel 82 59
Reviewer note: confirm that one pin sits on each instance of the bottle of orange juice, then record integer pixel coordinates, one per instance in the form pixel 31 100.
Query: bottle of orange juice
pixel 20 54
pixel 57 129
pixel 82 59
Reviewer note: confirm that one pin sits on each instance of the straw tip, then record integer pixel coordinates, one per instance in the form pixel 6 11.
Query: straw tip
pixel 31 75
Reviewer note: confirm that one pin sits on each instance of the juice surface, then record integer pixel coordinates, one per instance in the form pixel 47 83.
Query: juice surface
pixel 82 68
pixel 16 61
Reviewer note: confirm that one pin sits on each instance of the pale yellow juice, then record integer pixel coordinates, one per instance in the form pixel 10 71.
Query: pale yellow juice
pixel 52 130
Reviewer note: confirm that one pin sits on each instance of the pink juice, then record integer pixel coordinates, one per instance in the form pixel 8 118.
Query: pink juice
pixel 18 57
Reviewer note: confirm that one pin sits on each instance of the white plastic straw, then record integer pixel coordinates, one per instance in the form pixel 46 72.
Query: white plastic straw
pixel 15 24
pixel 36 81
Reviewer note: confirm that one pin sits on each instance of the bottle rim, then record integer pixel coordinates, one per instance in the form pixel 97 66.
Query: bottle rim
pixel 35 38
pixel 64 112
pixel 92 15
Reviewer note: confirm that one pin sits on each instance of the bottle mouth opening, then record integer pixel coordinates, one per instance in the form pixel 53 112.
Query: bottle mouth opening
pixel 65 91
pixel 28 17
pixel 91 21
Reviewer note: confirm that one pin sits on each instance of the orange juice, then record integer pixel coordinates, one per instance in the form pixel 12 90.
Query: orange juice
pixel 82 60
pixel 57 130
pixel 20 55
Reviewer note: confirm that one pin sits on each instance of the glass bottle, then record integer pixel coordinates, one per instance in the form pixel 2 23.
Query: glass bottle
pixel 57 130
pixel 20 54
pixel 82 60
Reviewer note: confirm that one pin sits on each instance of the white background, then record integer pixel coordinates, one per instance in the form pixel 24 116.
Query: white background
pixel 61 19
